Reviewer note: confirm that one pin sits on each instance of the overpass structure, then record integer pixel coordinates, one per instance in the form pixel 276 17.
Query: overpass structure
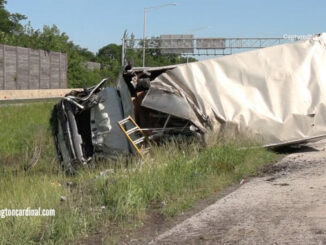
pixel 188 45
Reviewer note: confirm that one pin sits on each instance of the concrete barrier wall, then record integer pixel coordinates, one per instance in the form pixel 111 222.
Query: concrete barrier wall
pixel 7 95
pixel 25 68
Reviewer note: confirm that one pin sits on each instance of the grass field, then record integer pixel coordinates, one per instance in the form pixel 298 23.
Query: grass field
pixel 172 178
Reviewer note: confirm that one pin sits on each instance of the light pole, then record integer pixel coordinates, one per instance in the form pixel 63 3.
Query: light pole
pixel 144 32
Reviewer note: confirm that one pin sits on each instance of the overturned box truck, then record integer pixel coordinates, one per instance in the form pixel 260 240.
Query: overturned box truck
pixel 276 93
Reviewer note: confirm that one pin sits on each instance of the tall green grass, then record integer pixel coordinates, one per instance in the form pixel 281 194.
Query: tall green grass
pixel 24 133
pixel 170 180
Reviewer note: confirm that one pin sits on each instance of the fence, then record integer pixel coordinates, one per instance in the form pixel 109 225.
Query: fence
pixel 25 68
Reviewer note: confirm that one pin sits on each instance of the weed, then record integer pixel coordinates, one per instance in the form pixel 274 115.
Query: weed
pixel 171 179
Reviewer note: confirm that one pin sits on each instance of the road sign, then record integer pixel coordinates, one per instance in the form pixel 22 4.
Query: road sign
pixel 177 44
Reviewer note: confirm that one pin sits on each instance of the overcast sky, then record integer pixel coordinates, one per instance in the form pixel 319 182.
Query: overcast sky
pixel 95 23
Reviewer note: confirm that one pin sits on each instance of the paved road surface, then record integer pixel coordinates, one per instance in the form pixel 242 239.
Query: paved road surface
pixel 286 207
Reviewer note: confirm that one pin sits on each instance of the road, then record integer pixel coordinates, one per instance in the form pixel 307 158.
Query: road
pixel 286 206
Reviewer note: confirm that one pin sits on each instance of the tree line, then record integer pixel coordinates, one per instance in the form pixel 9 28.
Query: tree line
pixel 50 38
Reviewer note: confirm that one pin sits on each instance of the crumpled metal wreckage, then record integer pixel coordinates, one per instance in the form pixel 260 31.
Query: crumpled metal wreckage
pixel 276 94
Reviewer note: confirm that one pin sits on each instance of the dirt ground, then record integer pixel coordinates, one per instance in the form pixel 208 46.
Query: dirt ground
pixel 285 206
pixel 154 224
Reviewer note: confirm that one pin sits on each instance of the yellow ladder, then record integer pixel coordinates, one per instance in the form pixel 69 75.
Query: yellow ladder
pixel 131 131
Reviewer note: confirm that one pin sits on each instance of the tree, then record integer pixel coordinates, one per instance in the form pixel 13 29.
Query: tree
pixel 110 52
pixel 52 39
pixel 10 23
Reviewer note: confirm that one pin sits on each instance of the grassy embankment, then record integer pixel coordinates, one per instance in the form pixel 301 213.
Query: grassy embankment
pixel 171 180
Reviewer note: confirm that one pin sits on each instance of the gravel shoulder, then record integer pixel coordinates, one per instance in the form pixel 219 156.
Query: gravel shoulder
pixel 286 206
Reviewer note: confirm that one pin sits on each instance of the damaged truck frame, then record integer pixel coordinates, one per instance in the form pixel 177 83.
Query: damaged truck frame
pixel 275 94
pixel 106 122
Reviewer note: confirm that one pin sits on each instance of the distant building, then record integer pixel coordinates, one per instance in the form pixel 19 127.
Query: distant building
pixel 93 65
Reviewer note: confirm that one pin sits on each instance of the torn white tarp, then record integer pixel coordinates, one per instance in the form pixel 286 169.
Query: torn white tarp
pixel 277 93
